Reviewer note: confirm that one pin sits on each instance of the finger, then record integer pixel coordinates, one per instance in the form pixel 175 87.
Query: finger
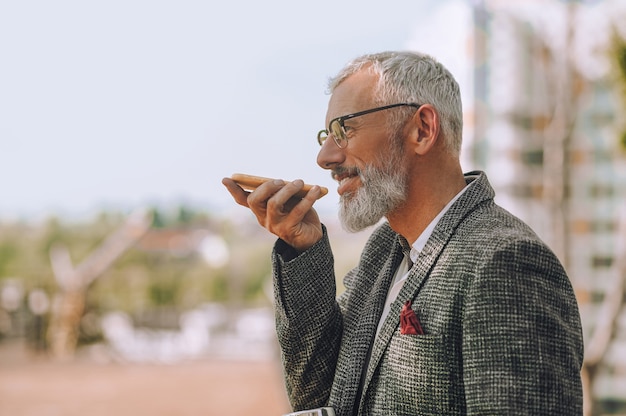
pixel 295 220
pixel 285 198
pixel 239 195
pixel 305 204
pixel 289 197
pixel 262 194
pixel 309 192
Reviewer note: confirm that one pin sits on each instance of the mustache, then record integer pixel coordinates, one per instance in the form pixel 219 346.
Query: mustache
pixel 342 172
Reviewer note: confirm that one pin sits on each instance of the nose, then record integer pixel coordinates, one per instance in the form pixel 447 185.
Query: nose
pixel 330 155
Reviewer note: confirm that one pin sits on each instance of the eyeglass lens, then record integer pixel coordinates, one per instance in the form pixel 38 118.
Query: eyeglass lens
pixel 338 133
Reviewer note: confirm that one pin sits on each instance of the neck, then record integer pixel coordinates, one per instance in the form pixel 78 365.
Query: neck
pixel 428 193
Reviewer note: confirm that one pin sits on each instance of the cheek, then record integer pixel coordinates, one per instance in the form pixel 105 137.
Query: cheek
pixel 370 147
pixel 363 156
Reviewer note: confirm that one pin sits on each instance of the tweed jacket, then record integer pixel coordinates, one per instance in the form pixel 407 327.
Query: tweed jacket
pixel 502 327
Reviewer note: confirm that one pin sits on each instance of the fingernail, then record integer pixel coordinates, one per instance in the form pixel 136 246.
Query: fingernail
pixel 279 182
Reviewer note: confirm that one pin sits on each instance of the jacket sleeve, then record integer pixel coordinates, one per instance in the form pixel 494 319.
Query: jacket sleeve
pixel 522 338
pixel 308 321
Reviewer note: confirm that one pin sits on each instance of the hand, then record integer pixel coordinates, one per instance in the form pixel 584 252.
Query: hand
pixel 292 219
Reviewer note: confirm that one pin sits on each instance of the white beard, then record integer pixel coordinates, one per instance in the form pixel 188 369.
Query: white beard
pixel 383 189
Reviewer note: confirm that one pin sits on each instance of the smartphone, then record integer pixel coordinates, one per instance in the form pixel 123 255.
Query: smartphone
pixel 251 182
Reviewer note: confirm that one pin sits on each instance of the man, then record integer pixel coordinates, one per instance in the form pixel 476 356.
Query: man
pixel 455 307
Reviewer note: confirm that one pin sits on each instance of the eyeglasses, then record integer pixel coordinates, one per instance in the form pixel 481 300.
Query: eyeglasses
pixel 338 130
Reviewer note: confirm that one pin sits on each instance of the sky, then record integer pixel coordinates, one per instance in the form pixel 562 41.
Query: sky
pixel 121 104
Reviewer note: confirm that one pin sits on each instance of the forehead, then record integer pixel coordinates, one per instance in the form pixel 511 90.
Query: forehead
pixel 355 93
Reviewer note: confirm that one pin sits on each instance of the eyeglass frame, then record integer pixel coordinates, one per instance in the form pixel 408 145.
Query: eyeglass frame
pixel 341 120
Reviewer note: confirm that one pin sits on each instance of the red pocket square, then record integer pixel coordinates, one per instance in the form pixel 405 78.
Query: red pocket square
pixel 409 324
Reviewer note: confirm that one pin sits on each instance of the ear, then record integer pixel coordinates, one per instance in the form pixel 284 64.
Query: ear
pixel 423 129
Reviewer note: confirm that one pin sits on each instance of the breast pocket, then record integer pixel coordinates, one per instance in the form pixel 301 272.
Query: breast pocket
pixel 419 372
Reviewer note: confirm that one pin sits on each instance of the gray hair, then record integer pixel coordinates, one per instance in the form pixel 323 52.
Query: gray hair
pixel 413 77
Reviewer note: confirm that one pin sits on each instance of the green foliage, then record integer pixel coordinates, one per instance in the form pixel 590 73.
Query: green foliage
pixel 158 219
pixel 219 289
pixel 181 216
pixel 620 58
pixel 21 258
pixel 163 293
pixel 8 254
pixel 618 53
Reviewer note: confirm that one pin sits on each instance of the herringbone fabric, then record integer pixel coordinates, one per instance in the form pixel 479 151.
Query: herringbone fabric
pixel 502 326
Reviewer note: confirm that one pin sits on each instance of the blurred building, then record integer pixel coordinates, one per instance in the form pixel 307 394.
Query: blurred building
pixel 545 127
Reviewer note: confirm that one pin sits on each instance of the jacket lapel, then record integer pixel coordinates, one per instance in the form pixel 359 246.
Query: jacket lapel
pixel 366 329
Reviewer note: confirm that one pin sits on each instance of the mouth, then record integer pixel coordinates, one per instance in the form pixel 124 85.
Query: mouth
pixel 348 179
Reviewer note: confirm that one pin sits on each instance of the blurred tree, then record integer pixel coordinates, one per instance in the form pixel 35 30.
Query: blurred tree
pixel 73 282
pixel 185 215
pixel 619 52
pixel 158 218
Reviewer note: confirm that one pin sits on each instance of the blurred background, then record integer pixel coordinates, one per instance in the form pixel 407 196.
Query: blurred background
pixel 130 283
